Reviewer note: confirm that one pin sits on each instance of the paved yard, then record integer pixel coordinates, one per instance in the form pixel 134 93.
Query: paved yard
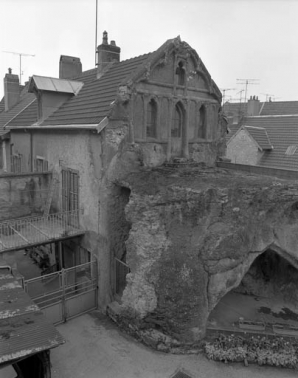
pixel 96 349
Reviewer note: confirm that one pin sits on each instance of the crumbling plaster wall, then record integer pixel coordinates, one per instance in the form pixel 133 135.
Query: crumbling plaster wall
pixel 194 235
pixel 82 152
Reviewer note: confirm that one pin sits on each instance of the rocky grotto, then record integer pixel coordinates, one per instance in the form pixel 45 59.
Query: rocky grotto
pixel 193 234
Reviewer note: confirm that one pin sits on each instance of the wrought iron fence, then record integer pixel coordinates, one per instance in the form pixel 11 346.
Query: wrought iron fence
pixel 24 232
pixel 121 270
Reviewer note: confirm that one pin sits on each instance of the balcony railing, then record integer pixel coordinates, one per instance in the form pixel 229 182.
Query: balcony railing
pixel 23 232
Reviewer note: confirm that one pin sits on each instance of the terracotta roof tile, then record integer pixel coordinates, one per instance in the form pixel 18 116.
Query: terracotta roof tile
pixel 282 132
pixel 259 134
pixel 280 108
pixel 93 102
pixel 5 117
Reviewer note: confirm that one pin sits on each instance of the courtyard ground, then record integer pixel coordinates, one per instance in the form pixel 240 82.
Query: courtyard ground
pixel 96 348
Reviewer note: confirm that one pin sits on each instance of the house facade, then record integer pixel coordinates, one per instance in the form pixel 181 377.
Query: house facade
pixel 93 128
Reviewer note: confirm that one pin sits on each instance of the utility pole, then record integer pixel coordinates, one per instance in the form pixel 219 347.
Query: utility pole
pixel 224 90
pixel 247 82
pixel 20 55
pixel 96 32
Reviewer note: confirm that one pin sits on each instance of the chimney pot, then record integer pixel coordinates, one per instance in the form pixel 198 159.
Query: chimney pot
pixel 106 53
pixel 105 38
pixel 10 71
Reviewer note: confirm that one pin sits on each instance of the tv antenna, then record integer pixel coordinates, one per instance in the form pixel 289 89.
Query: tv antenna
pixel 20 55
pixel 247 82
pixel 268 96
pixel 224 90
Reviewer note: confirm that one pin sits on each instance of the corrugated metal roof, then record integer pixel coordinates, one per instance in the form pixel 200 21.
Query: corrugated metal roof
pixel 55 85
pixel 24 330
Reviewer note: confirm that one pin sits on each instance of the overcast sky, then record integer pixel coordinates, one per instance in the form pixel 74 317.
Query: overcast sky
pixel 236 39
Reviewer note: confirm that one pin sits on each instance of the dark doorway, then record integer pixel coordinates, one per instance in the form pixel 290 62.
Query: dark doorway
pixel 268 294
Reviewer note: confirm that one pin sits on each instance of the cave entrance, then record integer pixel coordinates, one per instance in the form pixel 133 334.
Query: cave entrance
pixel 119 228
pixel 266 298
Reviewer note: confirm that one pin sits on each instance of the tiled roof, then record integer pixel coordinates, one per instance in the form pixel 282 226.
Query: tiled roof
pixel 24 330
pixel 280 108
pixel 259 134
pixel 282 132
pixel 2 105
pixel 231 108
pixel 94 100
pixel 28 116
pixel 5 117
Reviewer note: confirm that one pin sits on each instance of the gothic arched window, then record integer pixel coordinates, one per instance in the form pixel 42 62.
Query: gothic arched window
pixel 202 123
pixel 177 122
pixel 151 119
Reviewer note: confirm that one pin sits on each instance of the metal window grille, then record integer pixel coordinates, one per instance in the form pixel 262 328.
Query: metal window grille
pixel 40 164
pixel 16 163
pixel 70 194
pixel 122 269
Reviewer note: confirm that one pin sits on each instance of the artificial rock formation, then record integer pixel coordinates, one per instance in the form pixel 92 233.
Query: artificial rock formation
pixel 194 234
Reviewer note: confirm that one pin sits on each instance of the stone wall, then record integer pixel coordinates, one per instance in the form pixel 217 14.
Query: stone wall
pixel 23 194
pixel 195 233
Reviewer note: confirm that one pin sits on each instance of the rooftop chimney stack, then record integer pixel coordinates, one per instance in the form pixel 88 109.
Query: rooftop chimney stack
pixel 69 67
pixel 11 90
pixel 107 53
pixel 253 106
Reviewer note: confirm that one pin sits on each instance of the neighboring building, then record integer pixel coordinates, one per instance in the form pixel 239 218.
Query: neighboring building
pixel 93 128
pixel 16 98
pixel 248 145
pixel 265 136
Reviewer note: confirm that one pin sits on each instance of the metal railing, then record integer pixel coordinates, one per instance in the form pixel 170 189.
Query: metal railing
pixel 69 292
pixel 121 270
pixel 23 232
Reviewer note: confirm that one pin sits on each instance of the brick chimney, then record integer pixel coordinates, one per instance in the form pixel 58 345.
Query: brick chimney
pixel 107 53
pixel 253 106
pixel 11 90
pixel 69 67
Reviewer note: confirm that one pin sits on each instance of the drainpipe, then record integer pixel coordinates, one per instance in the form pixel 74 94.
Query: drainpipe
pixel 4 156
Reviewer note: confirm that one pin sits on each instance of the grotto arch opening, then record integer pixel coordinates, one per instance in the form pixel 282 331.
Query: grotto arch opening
pixel 267 295
pixel 119 228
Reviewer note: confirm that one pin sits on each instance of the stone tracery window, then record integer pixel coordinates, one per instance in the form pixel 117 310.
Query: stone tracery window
pixel 177 121
pixel 151 119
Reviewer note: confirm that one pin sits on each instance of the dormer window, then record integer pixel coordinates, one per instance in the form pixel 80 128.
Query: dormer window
pixel 151 119
pixel 180 72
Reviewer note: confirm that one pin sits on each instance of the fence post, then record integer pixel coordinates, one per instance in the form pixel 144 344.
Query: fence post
pixel 63 301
